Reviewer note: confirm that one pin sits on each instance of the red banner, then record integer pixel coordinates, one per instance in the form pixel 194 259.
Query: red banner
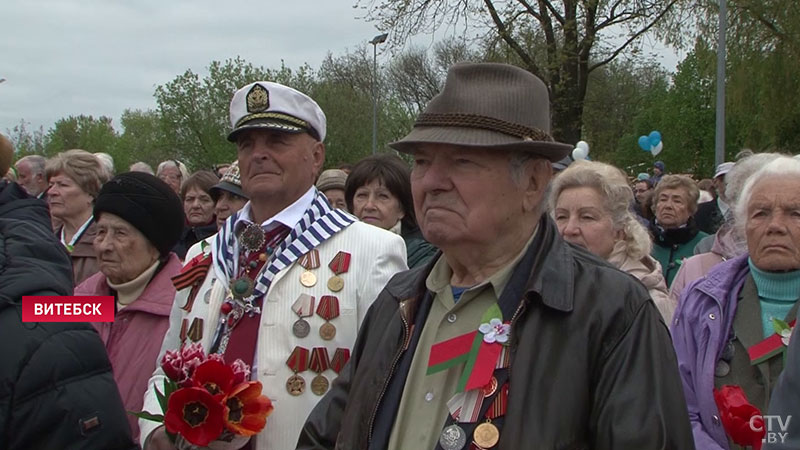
pixel 54 308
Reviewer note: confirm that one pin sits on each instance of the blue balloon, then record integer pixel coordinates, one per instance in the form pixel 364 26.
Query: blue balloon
pixel 644 143
pixel 655 138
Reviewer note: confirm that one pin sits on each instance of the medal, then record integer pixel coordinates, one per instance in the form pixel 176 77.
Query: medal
pixel 722 369
pixel 453 438
pixel 242 287
pixel 298 362
pixel 310 261
pixel 252 237
pixel 490 388
pixel 319 363
pixel 196 330
pixel 303 307
pixel 486 435
pixel 340 358
pixel 184 329
pixel 339 265
pixel 328 309
pixel 308 279
pixel 296 385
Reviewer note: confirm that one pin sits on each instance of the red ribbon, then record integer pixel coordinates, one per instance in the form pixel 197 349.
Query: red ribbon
pixel 340 358
pixel 767 348
pixel 340 263
pixel 310 260
pixel 328 307
pixel 194 270
pixel 319 360
pixel 298 360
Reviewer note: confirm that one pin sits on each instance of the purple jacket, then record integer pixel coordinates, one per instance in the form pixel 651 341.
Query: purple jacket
pixel 700 329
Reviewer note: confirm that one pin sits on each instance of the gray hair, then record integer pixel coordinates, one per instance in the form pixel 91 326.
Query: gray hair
pixel 141 166
pixel 176 164
pixel 107 161
pixel 517 161
pixel 777 167
pixel 36 163
pixel 612 185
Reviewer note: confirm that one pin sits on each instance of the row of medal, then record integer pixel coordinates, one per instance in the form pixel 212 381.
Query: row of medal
pixel 465 408
pixel 319 362
pixel 328 306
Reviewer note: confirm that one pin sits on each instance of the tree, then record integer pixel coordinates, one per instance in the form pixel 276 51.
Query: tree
pixel 142 140
pixel 27 142
pixel 580 36
pixel 83 132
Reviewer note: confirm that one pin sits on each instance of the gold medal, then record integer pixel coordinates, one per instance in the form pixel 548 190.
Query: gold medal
pixel 319 385
pixel 327 331
pixel 336 283
pixel 308 279
pixel 296 385
pixel 486 435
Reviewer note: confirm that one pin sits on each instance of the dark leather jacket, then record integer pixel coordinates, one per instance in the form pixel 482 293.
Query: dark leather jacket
pixel 592 362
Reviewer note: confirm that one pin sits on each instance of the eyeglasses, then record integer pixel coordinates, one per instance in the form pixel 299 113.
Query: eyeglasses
pixel 640 191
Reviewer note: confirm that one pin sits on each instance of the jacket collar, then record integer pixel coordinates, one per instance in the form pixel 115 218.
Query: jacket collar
pixel 548 258
pixel 674 236
pixel 731 273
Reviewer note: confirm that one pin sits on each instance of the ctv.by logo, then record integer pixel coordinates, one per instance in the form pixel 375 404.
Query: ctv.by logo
pixel 774 434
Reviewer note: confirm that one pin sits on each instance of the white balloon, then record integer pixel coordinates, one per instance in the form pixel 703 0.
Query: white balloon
pixel 657 149
pixel 583 145
pixel 579 153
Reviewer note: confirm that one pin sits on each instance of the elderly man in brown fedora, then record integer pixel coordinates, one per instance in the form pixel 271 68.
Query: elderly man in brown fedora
pixel 510 338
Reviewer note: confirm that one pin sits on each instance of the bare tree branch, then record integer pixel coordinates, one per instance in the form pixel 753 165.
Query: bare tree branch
pixel 502 30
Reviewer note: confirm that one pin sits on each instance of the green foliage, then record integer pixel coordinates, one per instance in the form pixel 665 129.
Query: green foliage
pixel 83 132
pixel 26 141
pixel 143 139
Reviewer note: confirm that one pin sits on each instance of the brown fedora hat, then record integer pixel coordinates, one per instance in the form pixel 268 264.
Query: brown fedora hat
pixel 488 105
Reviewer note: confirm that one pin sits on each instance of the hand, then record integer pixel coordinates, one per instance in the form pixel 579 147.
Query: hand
pixel 159 440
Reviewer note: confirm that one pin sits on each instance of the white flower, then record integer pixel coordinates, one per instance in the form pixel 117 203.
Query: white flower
pixel 495 331
pixel 786 336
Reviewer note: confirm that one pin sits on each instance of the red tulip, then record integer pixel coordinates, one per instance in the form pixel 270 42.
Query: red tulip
pixel 246 410
pixel 739 418
pixel 172 365
pixel 195 414
pixel 214 376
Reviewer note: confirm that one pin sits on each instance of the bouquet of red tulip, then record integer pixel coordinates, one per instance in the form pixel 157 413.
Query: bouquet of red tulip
pixel 742 421
pixel 205 400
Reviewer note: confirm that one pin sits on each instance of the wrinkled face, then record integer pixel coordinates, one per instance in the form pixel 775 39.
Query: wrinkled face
pixel 336 198
pixel 278 167
pixel 375 205
pixel 198 207
pixel 464 195
pixel 773 224
pixel 26 178
pixel 122 251
pixel 66 199
pixel 227 204
pixel 172 176
pixel 640 191
pixel 672 208
pixel 582 219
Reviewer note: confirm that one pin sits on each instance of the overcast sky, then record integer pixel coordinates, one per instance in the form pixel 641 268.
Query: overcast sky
pixel 100 57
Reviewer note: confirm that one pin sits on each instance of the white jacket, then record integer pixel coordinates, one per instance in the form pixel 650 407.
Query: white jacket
pixel 376 255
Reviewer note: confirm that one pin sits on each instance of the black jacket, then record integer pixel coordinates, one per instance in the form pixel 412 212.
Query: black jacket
pixel 56 386
pixel 191 236
pixel 708 217
pixel 592 364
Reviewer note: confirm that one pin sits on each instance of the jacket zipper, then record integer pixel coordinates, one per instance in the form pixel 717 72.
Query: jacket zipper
pixel 403 348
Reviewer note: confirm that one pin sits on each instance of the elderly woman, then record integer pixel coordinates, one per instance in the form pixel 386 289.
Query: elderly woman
pixel 75 178
pixel 198 207
pixel 227 194
pixel 138 221
pixel 674 231
pixel 174 173
pixel 331 183
pixel 590 202
pixel 728 242
pixel 721 318
pixel 378 192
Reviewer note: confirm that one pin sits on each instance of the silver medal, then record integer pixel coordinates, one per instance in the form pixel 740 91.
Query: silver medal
pixel 453 438
pixel 301 328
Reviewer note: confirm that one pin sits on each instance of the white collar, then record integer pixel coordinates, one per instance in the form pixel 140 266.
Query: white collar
pixel 289 216
pixel 78 233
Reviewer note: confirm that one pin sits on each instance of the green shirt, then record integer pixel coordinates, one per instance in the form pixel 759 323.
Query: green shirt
pixel 423 407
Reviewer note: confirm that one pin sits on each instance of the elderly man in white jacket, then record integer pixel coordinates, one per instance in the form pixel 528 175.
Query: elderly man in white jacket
pixel 286 282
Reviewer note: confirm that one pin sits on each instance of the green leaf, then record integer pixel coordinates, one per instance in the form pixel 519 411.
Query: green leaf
pixel 148 416
pixel 492 313
pixel 780 326
pixel 162 400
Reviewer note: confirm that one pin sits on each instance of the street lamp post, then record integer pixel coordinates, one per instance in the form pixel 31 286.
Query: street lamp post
pixel 379 39
pixel 719 144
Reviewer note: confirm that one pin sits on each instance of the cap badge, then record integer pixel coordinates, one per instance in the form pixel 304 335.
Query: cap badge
pixel 257 99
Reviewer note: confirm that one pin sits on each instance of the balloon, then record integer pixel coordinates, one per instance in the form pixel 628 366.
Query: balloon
pixel 657 149
pixel 584 145
pixel 655 138
pixel 579 153
pixel 644 143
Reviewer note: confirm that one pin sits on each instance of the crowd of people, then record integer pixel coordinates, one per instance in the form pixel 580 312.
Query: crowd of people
pixel 490 293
